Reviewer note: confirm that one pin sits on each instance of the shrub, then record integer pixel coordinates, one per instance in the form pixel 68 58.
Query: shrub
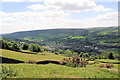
pixel 108 65
pixel 101 66
pixel 68 53
pixel 30 62
pixel 7 72
pixel 74 62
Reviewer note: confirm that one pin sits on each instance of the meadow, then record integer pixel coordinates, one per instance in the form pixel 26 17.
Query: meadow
pixel 50 70
pixel 60 71
pixel 27 56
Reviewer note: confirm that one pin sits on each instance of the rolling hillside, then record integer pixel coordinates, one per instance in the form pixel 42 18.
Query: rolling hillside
pixel 85 40
pixel 52 34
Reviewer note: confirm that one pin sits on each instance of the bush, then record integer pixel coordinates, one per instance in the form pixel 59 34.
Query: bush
pixel 30 62
pixel 68 53
pixel 108 65
pixel 101 66
pixel 7 72
pixel 74 62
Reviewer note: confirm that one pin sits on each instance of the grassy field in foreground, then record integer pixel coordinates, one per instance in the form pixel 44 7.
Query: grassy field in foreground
pixel 27 56
pixel 57 71
pixel 60 71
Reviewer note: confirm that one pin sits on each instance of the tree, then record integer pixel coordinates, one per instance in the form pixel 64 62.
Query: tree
pixel 68 53
pixel 75 54
pixel 33 48
pixel 110 56
pixel 10 45
pixel 15 47
pixel 5 44
pixel 105 54
pixel 85 55
pixel 61 51
pixel 36 48
pixel 25 46
pixel 41 49
pixel 81 54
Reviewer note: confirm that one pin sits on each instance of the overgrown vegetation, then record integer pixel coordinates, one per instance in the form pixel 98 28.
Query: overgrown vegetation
pixel 74 62
pixel 108 65
pixel 8 72
pixel 30 62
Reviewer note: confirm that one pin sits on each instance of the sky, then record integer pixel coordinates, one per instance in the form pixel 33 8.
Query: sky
pixel 25 15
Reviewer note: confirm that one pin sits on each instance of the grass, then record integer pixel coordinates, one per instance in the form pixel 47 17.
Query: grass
pixel 108 60
pixel 35 57
pixel 56 71
pixel 60 71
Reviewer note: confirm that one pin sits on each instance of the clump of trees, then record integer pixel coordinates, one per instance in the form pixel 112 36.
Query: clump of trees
pixel 9 45
pixel 70 53
pixel 16 47
pixel 35 48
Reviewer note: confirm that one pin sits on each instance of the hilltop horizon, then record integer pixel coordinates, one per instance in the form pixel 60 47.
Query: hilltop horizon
pixel 56 29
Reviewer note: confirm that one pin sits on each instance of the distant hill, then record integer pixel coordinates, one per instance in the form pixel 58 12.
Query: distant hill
pixel 62 33
pixel 58 33
pixel 86 40
pixel 46 34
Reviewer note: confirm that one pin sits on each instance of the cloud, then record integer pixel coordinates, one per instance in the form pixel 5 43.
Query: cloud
pixel 23 21
pixel 22 0
pixel 37 7
pixel 105 20
pixel 101 8
pixel 35 0
pixel 13 0
pixel 71 5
